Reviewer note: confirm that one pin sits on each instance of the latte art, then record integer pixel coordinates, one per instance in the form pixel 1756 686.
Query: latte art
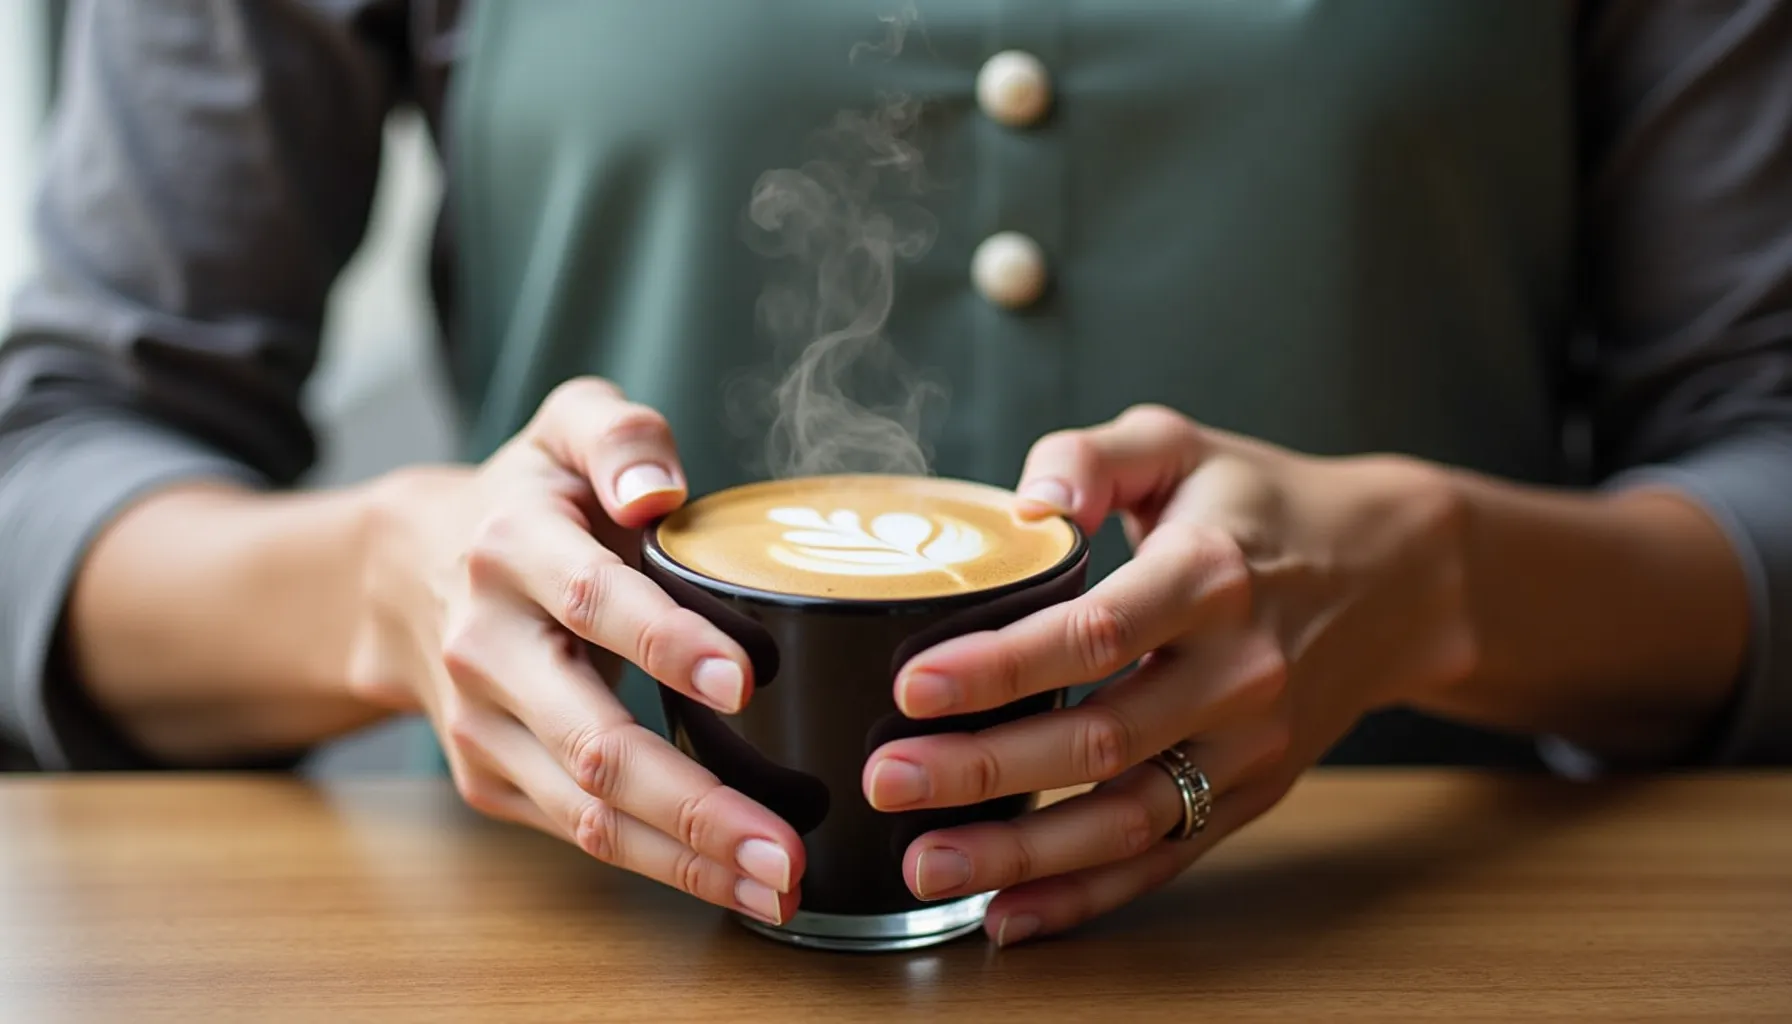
pixel 896 543
pixel 863 536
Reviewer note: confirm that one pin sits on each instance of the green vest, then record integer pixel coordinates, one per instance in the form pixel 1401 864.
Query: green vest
pixel 1338 225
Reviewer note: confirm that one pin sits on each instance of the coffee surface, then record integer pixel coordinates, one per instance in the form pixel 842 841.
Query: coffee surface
pixel 863 537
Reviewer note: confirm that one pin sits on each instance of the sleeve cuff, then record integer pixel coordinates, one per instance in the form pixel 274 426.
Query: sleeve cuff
pixel 61 484
pixel 1746 487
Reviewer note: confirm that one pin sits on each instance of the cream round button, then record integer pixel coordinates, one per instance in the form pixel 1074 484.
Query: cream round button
pixel 1014 88
pixel 1009 270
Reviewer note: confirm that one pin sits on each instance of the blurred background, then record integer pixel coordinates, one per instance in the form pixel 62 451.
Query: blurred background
pixel 377 399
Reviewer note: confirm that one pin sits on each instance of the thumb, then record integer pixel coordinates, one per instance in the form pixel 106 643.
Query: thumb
pixel 624 450
pixel 1132 464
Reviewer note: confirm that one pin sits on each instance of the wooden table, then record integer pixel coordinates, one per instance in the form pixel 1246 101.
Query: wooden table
pixel 1367 896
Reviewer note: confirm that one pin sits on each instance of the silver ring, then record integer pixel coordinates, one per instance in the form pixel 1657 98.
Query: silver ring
pixel 1192 785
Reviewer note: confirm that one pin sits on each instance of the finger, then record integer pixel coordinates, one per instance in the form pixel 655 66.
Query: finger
pixel 587 588
pixel 1113 822
pixel 1055 904
pixel 1134 460
pixel 1177 694
pixel 625 450
pixel 615 837
pixel 1141 606
pixel 482 788
pixel 599 747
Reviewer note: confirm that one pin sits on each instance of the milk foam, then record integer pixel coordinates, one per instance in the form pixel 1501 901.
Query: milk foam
pixel 863 536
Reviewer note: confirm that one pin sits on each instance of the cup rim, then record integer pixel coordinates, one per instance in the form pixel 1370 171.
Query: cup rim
pixel 654 552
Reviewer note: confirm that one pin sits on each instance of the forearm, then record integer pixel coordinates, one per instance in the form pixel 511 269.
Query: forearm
pixel 214 624
pixel 1617 621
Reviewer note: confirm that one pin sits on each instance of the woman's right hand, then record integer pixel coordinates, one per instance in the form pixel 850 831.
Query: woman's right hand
pixel 487 583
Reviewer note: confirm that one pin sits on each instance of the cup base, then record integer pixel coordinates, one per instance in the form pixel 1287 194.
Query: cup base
pixel 878 933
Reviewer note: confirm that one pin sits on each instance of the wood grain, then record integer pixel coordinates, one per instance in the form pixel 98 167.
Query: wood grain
pixel 1370 896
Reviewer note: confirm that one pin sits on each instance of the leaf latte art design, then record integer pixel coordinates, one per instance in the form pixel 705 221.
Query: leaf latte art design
pixel 893 544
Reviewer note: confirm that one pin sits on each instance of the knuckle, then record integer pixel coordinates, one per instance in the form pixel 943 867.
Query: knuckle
pixel 1153 417
pixel 485 799
pixel 1057 441
pixel 1264 682
pixel 469 650
pixel 581 391
pixel 1218 570
pixel 1009 673
pixel 694 824
pixel 383 683
pixel 1132 827
pixel 981 775
pixel 633 423
pixel 480 792
pixel 1009 860
pixel 1021 863
pixel 584 598
pixel 688 871
pixel 656 641
pixel 1104 743
pixel 1070 451
pixel 463 728
pixel 494 539
pixel 463 651
pixel 599 757
pixel 598 832
pixel 1100 635
pixel 1077 449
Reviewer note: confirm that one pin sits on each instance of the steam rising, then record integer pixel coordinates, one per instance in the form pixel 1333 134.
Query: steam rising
pixel 836 227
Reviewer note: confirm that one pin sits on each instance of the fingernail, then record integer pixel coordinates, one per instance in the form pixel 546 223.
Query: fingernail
pixel 925 694
pixel 757 899
pixel 721 682
pixel 1016 928
pixel 765 861
pixel 897 784
pixel 940 872
pixel 1053 494
pixel 637 482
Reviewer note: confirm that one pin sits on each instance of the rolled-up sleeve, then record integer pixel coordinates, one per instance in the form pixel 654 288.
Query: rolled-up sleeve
pixel 207 174
pixel 1687 115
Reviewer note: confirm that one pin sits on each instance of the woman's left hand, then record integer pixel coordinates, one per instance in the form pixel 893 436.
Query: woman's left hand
pixel 1272 600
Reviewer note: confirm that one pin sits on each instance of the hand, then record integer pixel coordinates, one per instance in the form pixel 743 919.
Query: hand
pixel 487 587
pixel 1272 599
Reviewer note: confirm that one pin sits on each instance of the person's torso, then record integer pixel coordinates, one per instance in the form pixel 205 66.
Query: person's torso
pixel 1338 225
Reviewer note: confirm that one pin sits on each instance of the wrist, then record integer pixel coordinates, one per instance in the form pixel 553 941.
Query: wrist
pixel 1423 515
pixel 410 533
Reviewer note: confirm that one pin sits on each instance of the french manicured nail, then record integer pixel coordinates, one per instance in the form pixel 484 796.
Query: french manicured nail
pixel 766 862
pixel 758 899
pixel 925 694
pixel 1053 494
pixel 1016 928
pixel 940 872
pixel 637 482
pixel 896 784
pixel 720 682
